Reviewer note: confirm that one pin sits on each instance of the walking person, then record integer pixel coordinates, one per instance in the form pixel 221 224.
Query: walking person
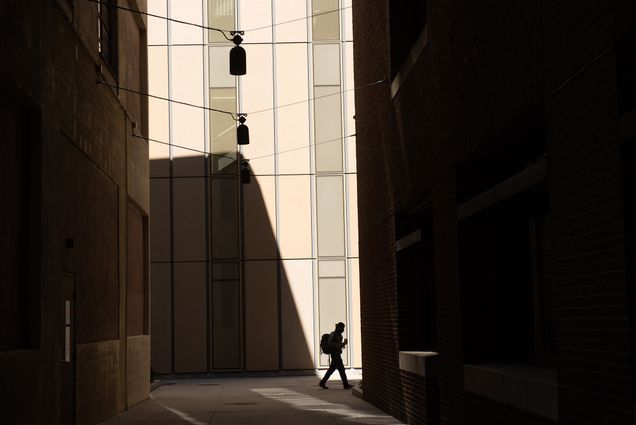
pixel 336 344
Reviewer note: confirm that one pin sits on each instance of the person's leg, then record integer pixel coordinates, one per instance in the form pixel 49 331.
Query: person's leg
pixel 332 368
pixel 341 371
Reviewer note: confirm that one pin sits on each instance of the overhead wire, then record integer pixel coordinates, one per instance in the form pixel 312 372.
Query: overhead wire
pixel 223 31
pixel 118 87
pixel 163 17
pixel 232 114
pixel 249 159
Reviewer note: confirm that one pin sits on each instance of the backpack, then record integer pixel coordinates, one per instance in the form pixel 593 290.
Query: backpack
pixel 324 344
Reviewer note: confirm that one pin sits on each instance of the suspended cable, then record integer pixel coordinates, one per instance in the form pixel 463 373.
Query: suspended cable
pixel 178 21
pixel 232 114
pixel 249 159
pixel 222 31
pixel 251 43
pixel 299 19
pixel 167 99
pixel 364 86
pixel 304 147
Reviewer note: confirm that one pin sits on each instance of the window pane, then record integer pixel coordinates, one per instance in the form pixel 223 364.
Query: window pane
pixel 220 15
pixel 328 129
pixel 223 131
pixel 326 21
pixel 330 216
pixel 224 208
pixel 332 296
pixel 220 67
pixel 326 64
pixel 226 332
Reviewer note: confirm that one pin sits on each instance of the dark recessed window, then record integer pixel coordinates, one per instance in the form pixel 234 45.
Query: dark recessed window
pixel 107 15
pixel 408 19
pixel 504 254
pixel 415 278
pixel 626 72
pixel 19 218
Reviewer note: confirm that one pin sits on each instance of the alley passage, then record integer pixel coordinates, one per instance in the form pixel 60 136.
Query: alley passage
pixel 279 400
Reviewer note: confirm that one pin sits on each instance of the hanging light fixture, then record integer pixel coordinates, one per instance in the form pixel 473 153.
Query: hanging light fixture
pixel 242 132
pixel 238 61
pixel 246 175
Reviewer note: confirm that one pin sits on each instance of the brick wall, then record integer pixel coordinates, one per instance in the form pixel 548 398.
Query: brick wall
pixel 485 65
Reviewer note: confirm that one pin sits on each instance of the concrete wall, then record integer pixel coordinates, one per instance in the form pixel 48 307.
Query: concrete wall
pixel 89 169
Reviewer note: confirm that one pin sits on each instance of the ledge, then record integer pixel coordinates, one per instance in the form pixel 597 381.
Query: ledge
pixel 529 388
pixel 409 62
pixel 422 363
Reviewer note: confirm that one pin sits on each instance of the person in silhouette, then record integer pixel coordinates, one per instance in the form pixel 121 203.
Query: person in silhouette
pixel 336 343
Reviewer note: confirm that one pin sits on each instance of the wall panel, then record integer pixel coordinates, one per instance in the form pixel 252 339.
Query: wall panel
pixel 261 316
pixel 190 341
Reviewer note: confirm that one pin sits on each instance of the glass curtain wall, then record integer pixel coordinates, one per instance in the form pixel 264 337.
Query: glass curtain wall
pixel 248 276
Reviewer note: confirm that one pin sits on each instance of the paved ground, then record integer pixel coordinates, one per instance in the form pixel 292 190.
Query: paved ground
pixel 279 400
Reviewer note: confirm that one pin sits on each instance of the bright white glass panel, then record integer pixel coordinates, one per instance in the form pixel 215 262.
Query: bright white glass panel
pixel 257 86
pixel 291 74
pixel 257 94
pixel 190 347
pixel 187 74
pixel 294 217
pixel 223 131
pixel 189 219
pixel 354 279
pixel 159 125
pixel 187 121
pixel 221 16
pixel 157 27
pixel 187 11
pixel 188 138
pixel 158 119
pixel 332 299
pixel 224 210
pixel 158 71
pixel 350 82
pixel 220 67
pixel 261 315
pixel 328 129
pixel 293 124
pixel 260 151
pixel 330 216
pixel 352 182
pixel 326 20
pixel 293 141
pixel 326 64
pixel 351 154
pixel 331 268
pixel 297 311
pixel 348 20
pixel 255 14
pixel 288 16
pixel 260 218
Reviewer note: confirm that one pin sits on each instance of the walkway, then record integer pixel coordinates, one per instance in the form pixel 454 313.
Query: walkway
pixel 277 400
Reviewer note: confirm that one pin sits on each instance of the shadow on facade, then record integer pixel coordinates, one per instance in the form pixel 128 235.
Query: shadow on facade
pixel 222 299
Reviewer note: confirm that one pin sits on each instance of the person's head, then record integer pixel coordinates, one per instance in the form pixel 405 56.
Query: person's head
pixel 340 327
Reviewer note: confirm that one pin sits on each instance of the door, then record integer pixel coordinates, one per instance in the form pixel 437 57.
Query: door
pixel 66 313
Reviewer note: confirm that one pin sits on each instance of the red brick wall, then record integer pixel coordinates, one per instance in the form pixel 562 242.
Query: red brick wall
pixel 486 64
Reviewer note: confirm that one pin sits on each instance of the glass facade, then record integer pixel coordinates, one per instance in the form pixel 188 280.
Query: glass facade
pixel 257 272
